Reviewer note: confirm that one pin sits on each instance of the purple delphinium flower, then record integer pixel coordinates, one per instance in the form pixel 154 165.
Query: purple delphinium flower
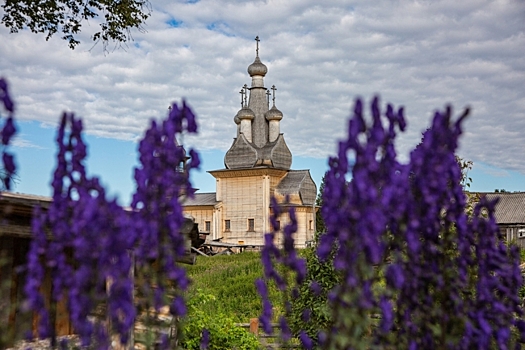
pixel 95 241
pixel 162 183
pixel 387 319
pixel 36 273
pixel 272 257
pixel 7 132
pixel 5 97
pixel 205 339
pixel 450 280
pixel 286 333
pixel 316 288
pixel 358 214
pixel 305 340
pixel 164 342
pixel 89 253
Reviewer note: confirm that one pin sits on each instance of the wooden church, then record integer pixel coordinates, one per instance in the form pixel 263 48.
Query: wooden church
pixel 257 167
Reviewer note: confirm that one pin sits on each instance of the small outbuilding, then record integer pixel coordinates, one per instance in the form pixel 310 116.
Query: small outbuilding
pixel 510 215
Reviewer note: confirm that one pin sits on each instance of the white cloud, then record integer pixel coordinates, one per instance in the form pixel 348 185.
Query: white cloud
pixel 21 141
pixel 421 54
pixel 492 171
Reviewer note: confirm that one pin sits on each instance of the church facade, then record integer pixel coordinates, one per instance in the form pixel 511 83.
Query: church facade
pixel 257 167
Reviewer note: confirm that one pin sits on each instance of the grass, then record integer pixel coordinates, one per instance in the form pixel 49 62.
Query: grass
pixel 231 279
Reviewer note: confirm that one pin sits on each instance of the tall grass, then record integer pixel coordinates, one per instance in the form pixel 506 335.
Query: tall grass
pixel 230 278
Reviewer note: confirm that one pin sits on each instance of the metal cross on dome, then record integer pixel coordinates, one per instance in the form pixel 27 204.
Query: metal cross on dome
pixel 273 98
pixel 242 97
pixel 257 45
pixel 245 87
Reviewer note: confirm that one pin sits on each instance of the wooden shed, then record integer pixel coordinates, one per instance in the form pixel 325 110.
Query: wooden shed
pixel 510 215
pixel 15 236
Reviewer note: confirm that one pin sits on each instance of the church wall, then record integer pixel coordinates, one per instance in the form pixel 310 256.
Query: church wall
pixel 274 181
pixel 241 201
pixel 292 199
pixel 305 226
pixel 201 215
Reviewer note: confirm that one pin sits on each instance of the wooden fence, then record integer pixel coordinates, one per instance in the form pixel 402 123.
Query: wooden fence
pixel 269 341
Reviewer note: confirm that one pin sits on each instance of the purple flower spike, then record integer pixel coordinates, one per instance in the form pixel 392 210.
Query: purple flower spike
pixel 205 339
pixel 407 224
pixel 272 259
pixel 97 243
pixel 8 131
pixel 178 307
pixel 306 340
pixel 286 333
pixel 5 97
pixel 9 163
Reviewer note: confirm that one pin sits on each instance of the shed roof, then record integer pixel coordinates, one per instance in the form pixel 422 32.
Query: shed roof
pixel 22 203
pixel 201 199
pixel 510 208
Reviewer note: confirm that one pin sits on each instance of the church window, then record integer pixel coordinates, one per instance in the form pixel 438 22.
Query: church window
pixel 311 224
pixel 251 225
pixel 207 226
pixel 226 225
pixel 278 225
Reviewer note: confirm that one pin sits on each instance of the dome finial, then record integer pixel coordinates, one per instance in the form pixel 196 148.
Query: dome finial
pixel 242 97
pixel 273 114
pixel 257 67
pixel 245 88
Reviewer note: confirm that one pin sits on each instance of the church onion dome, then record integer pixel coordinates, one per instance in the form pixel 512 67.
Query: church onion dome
pixel 273 114
pixel 236 119
pixel 257 68
pixel 244 113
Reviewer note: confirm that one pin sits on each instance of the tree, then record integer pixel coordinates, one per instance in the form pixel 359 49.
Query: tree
pixel 66 16
pixel 465 166
pixel 319 222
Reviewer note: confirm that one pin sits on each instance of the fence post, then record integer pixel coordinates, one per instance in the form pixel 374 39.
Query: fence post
pixel 254 326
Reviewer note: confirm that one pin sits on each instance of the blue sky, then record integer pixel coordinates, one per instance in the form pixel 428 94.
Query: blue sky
pixel 422 55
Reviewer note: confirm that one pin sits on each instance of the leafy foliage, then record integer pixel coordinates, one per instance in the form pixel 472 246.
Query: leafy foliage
pixel 465 166
pixel 67 17
pixel 312 311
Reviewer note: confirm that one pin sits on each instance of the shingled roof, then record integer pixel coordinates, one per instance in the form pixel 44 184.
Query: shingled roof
pixel 201 199
pixel 298 182
pixel 510 208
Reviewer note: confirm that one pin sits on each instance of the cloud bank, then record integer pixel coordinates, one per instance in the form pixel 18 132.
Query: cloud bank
pixel 420 54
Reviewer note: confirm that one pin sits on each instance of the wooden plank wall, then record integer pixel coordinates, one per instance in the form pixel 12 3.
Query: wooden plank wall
pixel 15 323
